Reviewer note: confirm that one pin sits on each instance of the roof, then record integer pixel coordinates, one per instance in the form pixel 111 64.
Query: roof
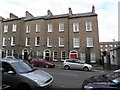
pixel 47 17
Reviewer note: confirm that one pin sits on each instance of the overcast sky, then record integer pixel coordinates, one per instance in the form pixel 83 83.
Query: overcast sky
pixel 107 11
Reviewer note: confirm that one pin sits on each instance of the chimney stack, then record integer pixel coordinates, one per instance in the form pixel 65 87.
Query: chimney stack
pixel 70 11
pixel 27 14
pixel 93 9
pixel 49 13
pixel 13 16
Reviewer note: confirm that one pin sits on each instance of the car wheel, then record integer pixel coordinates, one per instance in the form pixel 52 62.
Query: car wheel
pixel 86 69
pixel 46 66
pixel 24 87
pixel 66 67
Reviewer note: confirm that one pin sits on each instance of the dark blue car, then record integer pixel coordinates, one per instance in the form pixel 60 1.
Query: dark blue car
pixel 103 82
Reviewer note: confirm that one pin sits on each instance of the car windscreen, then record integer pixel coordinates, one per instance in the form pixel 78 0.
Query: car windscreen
pixel 22 67
pixel 114 77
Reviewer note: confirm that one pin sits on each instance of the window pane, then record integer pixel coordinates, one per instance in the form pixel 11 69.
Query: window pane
pixel 50 28
pixel 75 27
pixel 14 28
pixel 61 41
pixel 76 42
pixel 38 27
pixel 61 26
pixel 63 55
pixel 88 26
pixel 89 42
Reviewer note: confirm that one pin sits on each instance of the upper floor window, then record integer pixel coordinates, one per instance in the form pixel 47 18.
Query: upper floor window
pixel 106 45
pixel 50 28
pixel 28 28
pixel 12 41
pixel 110 45
pixel 4 41
pixel 89 26
pixel 5 28
pixel 49 42
pixel 37 41
pixel 76 42
pixel 61 27
pixel 38 27
pixel 27 41
pixel 89 42
pixel 101 45
pixel 61 41
pixel 14 27
pixel 75 27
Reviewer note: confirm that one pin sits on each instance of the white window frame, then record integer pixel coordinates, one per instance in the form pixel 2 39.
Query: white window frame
pixel 92 57
pixel 38 27
pixel 63 57
pixel 14 28
pixel 13 52
pixel 28 28
pixel 4 41
pixel 76 42
pixel 75 27
pixel 55 53
pixel 89 41
pixel 49 42
pixel 12 41
pixel 5 28
pixel 27 43
pixel 61 27
pixel 61 41
pixel 50 27
pixel 38 53
pixel 36 41
pixel 89 26
pixel 83 56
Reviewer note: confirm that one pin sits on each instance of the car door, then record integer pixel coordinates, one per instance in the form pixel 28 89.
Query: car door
pixel 9 75
pixel 77 64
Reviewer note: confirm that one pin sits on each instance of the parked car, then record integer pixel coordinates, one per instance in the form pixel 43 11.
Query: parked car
pixel 19 75
pixel 9 57
pixel 76 64
pixel 42 63
pixel 103 82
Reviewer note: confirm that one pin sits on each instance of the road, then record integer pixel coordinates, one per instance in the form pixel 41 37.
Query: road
pixel 69 78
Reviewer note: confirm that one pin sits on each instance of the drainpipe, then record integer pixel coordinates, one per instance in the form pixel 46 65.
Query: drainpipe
pixel 68 35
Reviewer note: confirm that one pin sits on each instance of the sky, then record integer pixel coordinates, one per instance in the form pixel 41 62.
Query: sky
pixel 107 11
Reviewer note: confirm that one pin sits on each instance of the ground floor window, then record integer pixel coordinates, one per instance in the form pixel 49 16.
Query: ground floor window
pixel 55 56
pixel 93 58
pixel 63 55
pixel 82 56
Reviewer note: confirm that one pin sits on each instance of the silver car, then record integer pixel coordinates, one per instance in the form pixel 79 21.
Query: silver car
pixel 76 64
pixel 21 76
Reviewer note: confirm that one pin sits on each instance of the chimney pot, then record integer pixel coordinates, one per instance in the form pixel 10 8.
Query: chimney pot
pixel 93 9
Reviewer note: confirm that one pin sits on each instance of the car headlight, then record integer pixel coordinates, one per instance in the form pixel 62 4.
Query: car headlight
pixel 39 82
pixel 88 87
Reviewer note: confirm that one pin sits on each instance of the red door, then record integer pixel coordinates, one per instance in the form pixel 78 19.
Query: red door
pixel 73 56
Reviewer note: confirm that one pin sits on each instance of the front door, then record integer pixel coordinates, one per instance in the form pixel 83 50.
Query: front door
pixel 47 56
pixel 73 56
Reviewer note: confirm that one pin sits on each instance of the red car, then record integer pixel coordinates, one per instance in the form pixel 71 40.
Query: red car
pixel 42 63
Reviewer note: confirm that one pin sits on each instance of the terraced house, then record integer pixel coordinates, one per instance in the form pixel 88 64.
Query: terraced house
pixel 53 37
